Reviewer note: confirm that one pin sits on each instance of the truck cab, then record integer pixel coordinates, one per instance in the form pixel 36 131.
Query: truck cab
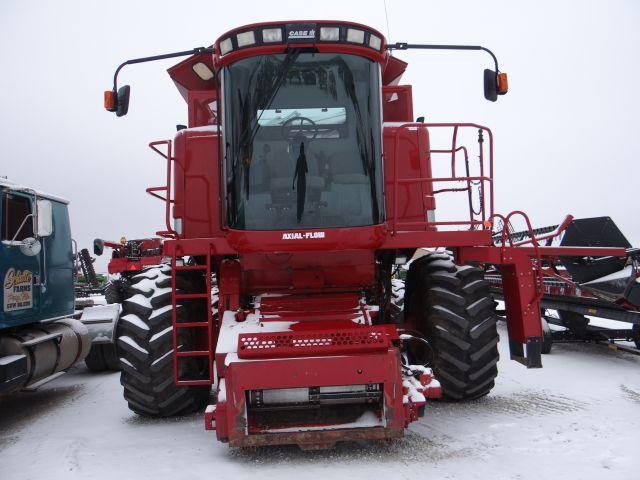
pixel 36 259
pixel 39 339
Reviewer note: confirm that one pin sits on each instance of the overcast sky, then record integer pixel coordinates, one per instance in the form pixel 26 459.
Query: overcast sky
pixel 565 135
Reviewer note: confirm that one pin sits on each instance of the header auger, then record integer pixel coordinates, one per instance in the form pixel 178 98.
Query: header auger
pixel 299 184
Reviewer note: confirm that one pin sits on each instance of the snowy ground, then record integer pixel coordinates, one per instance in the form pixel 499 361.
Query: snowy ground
pixel 579 417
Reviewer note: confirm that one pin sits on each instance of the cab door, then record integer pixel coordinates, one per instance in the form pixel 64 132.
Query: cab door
pixel 20 264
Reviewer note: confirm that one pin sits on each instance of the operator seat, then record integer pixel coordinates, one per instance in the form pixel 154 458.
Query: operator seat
pixel 282 166
pixel 350 192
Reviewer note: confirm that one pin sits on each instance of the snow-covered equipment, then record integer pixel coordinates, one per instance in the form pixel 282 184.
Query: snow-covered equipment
pixel 41 335
pixel 579 287
pixel 298 186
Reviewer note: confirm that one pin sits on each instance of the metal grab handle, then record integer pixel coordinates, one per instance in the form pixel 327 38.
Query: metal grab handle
pixel 169 232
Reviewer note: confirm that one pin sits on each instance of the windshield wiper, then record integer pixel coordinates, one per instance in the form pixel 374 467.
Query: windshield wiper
pixel 261 97
pixel 367 157
pixel 301 174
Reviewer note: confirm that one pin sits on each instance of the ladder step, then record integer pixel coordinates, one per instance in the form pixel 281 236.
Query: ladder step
pixel 191 324
pixel 194 382
pixel 182 296
pixel 194 353
pixel 190 267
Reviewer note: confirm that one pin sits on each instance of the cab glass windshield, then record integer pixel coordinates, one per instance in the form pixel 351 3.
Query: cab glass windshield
pixel 302 141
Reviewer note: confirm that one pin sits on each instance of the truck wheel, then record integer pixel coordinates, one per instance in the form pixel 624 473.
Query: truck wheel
pixel 145 347
pixel 455 311
pixel 114 291
pixel 574 322
pixel 95 361
pixel 102 357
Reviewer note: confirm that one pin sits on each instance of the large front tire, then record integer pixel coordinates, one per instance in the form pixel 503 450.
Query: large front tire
pixel 456 313
pixel 145 348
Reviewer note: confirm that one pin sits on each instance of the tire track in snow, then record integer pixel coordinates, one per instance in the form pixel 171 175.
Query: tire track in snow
pixel 521 404
pixel 630 394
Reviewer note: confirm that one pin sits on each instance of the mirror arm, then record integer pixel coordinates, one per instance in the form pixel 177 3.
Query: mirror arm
pixel 31 215
pixel 422 46
pixel 133 61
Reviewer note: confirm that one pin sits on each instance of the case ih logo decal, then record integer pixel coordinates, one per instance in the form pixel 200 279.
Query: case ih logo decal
pixel 18 290
pixel 302 236
pixel 301 33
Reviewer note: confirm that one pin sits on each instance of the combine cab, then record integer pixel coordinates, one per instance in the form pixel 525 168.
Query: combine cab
pixel 301 182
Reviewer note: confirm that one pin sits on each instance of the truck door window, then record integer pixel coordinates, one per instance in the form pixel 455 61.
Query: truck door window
pixel 15 209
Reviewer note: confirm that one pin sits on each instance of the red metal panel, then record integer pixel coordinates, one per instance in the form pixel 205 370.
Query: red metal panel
pixel 203 108
pixel 313 343
pixel 307 271
pixel 381 368
pixel 405 149
pixel 123 265
pixel 333 303
pixel 397 103
pixel 196 183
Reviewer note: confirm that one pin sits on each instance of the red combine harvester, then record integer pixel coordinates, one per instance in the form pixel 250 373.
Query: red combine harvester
pixel 128 258
pixel 300 184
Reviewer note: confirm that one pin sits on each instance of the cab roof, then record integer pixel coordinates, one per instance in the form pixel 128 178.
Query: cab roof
pixel 293 33
pixel 7 184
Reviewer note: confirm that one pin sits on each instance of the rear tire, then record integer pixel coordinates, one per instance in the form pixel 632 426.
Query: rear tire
pixel 455 311
pixel 397 300
pixel 145 347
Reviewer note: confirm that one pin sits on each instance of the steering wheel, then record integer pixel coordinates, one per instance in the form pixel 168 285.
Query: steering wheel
pixel 291 130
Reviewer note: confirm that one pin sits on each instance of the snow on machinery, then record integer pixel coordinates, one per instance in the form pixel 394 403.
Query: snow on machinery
pixel 300 182
pixel 577 287
pixel 40 333
pixel 128 257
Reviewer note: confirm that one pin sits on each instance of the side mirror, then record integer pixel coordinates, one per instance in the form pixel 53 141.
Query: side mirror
pixel 494 84
pixel 117 102
pixel 98 246
pixel 123 101
pixel 490 85
pixel 45 218
pixel 30 246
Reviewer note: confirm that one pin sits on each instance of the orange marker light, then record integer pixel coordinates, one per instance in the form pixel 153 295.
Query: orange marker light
pixel 110 100
pixel 503 84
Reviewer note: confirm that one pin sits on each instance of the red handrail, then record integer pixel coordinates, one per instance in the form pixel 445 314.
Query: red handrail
pixel 482 178
pixel 169 232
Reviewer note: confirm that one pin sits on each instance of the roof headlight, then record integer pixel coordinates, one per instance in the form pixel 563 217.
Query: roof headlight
pixel 375 42
pixel 355 36
pixel 271 35
pixel 203 71
pixel 225 46
pixel 329 34
pixel 246 38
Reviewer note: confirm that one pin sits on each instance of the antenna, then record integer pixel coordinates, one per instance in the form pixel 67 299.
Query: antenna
pixel 386 17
